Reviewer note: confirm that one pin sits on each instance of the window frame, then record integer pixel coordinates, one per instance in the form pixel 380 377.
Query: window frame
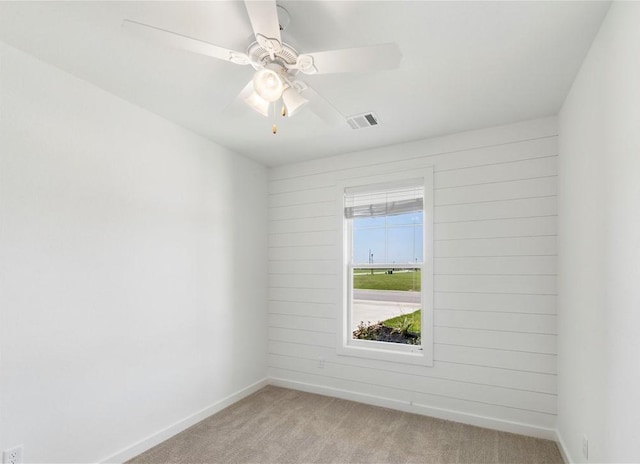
pixel 386 351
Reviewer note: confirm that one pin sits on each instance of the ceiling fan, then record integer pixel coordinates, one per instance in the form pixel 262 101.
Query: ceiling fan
pixel 278 65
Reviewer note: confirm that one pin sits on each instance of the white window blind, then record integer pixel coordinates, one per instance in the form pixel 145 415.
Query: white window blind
pixel 384 200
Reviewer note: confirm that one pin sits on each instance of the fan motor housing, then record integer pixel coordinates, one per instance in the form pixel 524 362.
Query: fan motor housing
pixel 286 56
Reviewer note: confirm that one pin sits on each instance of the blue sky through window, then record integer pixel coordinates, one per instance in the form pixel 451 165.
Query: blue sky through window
pixel 391 239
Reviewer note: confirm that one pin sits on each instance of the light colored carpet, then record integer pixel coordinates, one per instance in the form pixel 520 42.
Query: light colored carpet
pixel 277 425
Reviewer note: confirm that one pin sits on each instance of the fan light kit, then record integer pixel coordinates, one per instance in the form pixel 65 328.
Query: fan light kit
pixel 268 87
pixel 267 84
pixel 277 64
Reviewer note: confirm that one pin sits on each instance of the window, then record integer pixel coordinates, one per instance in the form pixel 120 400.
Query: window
pixel 386 268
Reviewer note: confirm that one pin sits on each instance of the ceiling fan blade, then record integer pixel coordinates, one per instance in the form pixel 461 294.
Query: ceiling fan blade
pixel 323 109
pixel 183 42
pixel 264 21
pixel 372 58
pixel 238 106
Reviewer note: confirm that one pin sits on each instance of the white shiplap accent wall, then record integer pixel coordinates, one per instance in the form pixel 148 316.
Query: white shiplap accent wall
pixel 494 282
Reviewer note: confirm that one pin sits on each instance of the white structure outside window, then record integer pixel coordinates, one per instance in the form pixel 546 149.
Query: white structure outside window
pixel 386 272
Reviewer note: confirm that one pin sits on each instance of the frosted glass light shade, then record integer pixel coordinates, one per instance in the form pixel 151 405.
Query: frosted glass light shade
pixel 268 85
pixel 293 100
pixel 258 103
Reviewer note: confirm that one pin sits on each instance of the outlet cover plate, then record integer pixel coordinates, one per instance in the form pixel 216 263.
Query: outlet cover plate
pixel 12 456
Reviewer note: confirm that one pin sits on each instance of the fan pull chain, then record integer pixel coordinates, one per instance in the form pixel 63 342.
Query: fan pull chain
pixel 274 129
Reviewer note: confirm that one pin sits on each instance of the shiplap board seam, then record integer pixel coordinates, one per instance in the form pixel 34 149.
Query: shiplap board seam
pixel 357 175
pixel 494 330
pixel 304 203
pixel 413 158
pixel 496 293
pixel 440 205
pixel 498 218
pixel 489 367
pixel 425 373
pixel 292 287
pixel 422 158
pixel 450 362
pixel 495 312
pixel 493 201
pixel 437 361
pixel 317 187
pixel 492 238
pixel 300 330
pixel 319 273
pixel 437 257
pixel 302 288
pixel 289 219
pixel 436 170
pixel 302 190
pixel 460 391
pixel 275 300
pixel 324 332
pixel 306 246
pixel 454 275
pixel 416 374
pixel 299 315
pixel 483 347
pixel 415 391
pixel 315 345
pixel 360 175
pixel 332 185
pixel 304 232
pixel 483 329
pixel 532 129
pixel 479 202
pixel 298 343
pixel 498 275
pixel 435 343
pixel 305 343
pixel 476 274
pixel 495 256
pixel 315 216
pixel 435 274
pixel 496 182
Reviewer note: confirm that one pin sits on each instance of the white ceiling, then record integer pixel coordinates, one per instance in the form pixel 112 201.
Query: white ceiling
pixel 466 65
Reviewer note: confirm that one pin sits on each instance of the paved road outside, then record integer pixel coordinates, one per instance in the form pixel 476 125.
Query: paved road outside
pixel 374 311
pixel 386 295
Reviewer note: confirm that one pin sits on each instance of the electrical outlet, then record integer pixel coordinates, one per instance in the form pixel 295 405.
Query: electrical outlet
pixel 12 456
pixel 585 447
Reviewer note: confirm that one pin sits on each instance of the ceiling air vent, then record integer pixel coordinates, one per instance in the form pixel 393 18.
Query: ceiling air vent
pixel 362 120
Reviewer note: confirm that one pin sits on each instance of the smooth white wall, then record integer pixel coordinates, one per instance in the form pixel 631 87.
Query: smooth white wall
pixel 599 259
pixel 494 283
pixel 133 263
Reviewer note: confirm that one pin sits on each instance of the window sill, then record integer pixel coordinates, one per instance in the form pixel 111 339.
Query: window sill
pixel 382 351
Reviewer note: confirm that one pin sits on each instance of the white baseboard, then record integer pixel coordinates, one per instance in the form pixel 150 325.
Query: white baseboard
pixel 166 433
pixel 563 448
pixel 456 416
